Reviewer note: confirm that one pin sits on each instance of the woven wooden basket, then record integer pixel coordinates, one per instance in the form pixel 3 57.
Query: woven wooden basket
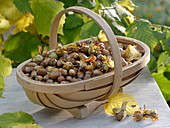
pixel 74 96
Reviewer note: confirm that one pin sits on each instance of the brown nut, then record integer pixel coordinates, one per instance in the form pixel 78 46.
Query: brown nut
pixel 39 78
pixel 61 78
pixel 69 78
pixel 72 72
pixel 80 74
pixel 54 75
pixel 49 68
pixel 32 64
pixel 105 52
pixel 87 76
pixel 33 74
pixel 74 80
pixel 49 81
pixel 65 82
pixel 46 77
pixel 96 72
pixel 88 72
pixel 41 71
pixel 63 72
pixel 37 58
pixel 59 63
pixel 26 69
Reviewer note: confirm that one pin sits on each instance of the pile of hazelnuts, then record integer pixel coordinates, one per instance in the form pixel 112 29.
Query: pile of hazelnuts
pixel 72 63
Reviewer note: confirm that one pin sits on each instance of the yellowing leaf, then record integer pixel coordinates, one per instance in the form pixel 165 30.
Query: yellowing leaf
pixel 4 25
pixel 128 4
pixel 102 37
pixel 131 53
pixel 23 22
pixel 27 126
pixel 117 99
pixel 9 11
pixel 5 66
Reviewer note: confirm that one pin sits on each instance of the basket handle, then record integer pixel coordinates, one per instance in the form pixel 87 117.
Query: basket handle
pixel 110 36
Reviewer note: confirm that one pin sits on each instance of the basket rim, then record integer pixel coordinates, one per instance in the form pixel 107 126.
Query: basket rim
pixel 80 85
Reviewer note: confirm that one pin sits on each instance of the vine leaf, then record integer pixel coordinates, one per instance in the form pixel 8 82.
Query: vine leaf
pixel 8 120
pixel 141 30
pixel 23 22
pixel 163 81
pixel 70 35
pixel 44 12
pixel 162 58
pixel 69 3
pixel 128 4
pixel 89 29
pixel 23 5
pixel 21 46
pixel 5 66
pixel 72 21
pixel 86 3
pixel 9 11
pixel 117 99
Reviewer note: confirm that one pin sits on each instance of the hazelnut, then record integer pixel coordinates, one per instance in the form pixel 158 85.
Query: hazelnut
pixel 65 82
pixel 80 74
pixel 53 55
pixel 32 64
pixel 69 78
pixel 54 75
pixel 74 80
pixel 105 52
pixel 49 81
pixel 72 72
pixel 41 71
pixel 26 69
pixel 37 58
pixel 96 72
pixel 60 79
pixel 87 76
pixel 39 78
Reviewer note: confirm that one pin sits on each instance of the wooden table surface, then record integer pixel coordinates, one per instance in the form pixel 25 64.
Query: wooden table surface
pixel 144 89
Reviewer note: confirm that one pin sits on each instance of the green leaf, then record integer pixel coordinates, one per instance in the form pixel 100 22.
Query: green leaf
pixel 140 30
pixel 106 3
pixel 69 3
pixel 9 11
pixel 86 3
pixel 7 120
pixel 2 85
pixel 5 66
pixel 44 12
pixel 70 35
pixel 163 83
pixel 162 58
pixel 21 46
pixel 166 45
pixel 23 5
pixel 152 63
pixel 89 29
pixel 72 21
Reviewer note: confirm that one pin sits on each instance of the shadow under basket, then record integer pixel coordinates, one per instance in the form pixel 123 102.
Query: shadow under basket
pixel 73 97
